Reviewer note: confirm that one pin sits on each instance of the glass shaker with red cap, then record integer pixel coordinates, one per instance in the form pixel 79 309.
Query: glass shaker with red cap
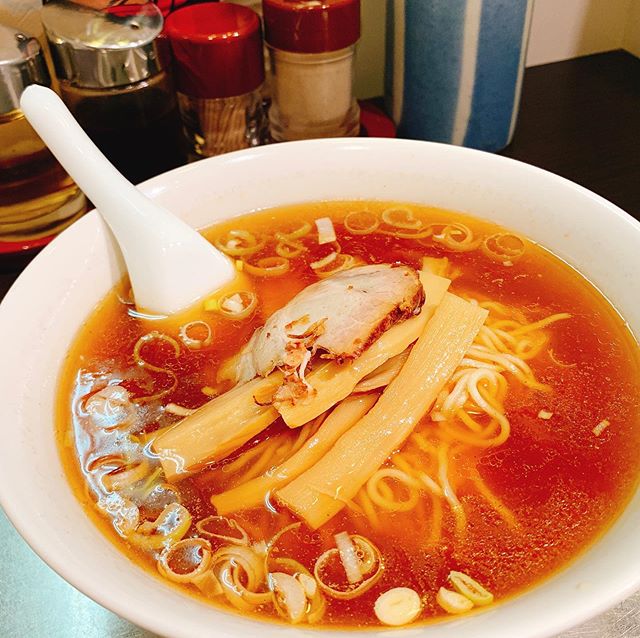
pixel 219 70
pixel 311 47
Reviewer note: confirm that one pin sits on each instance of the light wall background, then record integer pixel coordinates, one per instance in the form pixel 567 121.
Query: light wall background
pixel 22 14
pixel 560 29
pixel 569 28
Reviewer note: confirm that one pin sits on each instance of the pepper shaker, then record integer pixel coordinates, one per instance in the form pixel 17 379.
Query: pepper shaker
pixel 115 82
pixel 219 70
pixel 311 47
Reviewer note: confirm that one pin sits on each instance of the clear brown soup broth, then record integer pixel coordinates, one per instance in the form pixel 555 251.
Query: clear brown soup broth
pixel 563 484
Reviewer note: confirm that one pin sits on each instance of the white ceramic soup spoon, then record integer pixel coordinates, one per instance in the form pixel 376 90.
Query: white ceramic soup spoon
pixel 170 264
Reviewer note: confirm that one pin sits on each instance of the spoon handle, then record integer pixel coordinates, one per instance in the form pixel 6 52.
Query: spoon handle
pixel 170 264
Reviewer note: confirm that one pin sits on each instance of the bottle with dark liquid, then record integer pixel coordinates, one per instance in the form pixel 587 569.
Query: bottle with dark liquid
pixel 37 197
pixel 112 78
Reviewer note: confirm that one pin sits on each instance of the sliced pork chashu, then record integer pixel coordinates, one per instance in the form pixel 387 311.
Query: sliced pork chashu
pixel 339 317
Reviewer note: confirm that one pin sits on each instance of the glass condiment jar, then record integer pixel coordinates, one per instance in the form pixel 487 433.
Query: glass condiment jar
pixel 311 47
pixel 114 81
pixel 219 71
pixel 37 197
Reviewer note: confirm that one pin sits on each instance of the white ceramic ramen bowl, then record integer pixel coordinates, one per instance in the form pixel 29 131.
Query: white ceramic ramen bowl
pixel 43 311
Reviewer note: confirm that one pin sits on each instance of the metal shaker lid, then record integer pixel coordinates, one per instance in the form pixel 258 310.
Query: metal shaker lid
pixel 21 64
pixel 103 48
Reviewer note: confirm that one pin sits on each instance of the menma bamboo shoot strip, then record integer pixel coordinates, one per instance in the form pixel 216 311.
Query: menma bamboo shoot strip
pixel 323 490
pixel 217 428
pixel 253 492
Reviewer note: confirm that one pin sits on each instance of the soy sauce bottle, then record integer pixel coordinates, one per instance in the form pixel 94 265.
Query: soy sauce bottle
pixel 114 80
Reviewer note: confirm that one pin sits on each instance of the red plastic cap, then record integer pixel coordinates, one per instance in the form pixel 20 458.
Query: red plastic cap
pixel 217 50
pixel 311 26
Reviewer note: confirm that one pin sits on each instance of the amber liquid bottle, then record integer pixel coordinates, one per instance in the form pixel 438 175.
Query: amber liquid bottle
pixel 37 197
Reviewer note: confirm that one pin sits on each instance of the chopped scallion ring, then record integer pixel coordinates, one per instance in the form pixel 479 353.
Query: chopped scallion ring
pixel 361 222
pixel 371 567
pixel 188 332
pixel 401 217
pixel 194 551
pixel 398 606
pixel 289 597
pixel 456 237
pixel 289 248
pixel 470 588
pixel 239 243
pixel 234 305
pixel 223 528
pixel 268 267
pixel 336 264
pixel 453 602
pixel 504 248
pixel 299 233
pixel 325 261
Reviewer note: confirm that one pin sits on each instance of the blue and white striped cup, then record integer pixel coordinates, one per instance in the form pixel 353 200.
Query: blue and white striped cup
pixel 454 69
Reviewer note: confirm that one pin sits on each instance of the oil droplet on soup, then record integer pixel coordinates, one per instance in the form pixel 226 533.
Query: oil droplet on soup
pixel 524 458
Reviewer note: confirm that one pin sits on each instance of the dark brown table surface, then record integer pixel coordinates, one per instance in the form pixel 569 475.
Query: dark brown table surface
pixel 580 119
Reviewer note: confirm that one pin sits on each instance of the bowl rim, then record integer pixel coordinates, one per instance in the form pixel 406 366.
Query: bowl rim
pixel 90 587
